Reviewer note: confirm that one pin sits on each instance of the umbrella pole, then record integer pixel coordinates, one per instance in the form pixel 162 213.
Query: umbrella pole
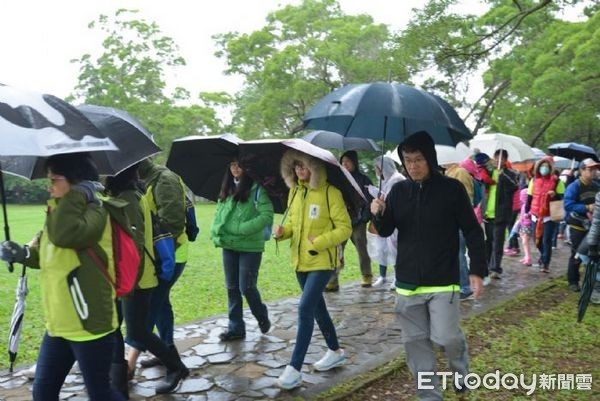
pixel 382 152
pixel 5 214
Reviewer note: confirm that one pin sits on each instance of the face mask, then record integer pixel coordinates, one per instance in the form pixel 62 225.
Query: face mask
pixel 544 170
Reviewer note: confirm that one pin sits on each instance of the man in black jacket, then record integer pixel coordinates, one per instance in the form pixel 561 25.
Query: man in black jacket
pixel 428 210
pixel 359 224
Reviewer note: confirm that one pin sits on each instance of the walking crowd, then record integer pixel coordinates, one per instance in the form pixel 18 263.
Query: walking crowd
pixel 441 228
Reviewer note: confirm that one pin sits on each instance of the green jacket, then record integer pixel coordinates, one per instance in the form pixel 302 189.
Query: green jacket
pixel 166 198
pixel 316 209
pixel 78 301
pixel 239 226
pixel 138 214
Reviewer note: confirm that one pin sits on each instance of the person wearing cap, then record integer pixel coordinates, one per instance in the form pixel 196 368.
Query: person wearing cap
pixel 428 210
pixel 579 204
pixel 497 208
pixel 359 225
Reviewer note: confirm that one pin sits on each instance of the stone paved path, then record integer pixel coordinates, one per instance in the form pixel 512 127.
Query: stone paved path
pixel 246 370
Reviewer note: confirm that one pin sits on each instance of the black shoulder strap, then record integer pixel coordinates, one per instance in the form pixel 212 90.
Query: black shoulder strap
pixel 328 207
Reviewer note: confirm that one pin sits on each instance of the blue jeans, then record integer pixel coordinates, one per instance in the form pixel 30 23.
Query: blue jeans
pixel 241 275
pixel 382 270
pixel 465 284
pixel 56 358
pixel 545 246
pixel 312 307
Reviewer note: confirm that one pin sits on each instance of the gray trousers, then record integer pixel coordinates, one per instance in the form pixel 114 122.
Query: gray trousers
pixel 359 239
pixel 428 319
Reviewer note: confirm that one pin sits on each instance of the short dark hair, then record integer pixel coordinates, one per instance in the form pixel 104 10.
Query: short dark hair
pixel 504 153
pixel 75 167
pixel 126 180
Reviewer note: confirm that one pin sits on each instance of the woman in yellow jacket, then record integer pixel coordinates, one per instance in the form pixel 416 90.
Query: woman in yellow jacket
pixel 317 223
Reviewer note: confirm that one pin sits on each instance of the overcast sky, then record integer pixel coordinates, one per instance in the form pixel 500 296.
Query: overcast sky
pixel 39 38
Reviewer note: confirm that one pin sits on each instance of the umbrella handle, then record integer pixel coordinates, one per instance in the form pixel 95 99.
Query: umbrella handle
pixel 11 268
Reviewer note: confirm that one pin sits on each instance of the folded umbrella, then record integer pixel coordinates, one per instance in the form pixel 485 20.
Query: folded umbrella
pixel 261 159
pixel 333 140
pixel 16 321
pixel 202 161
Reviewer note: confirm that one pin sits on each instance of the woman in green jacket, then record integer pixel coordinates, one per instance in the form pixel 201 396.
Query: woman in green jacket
pixel 244 214
pixel 78 301
pixel 317 223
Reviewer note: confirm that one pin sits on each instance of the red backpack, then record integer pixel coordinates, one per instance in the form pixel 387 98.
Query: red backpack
pixel 125 253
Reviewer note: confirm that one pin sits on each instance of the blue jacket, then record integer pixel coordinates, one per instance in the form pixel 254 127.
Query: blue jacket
pixel 576 200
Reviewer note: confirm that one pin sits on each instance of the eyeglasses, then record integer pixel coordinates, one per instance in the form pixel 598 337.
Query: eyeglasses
pixel 419 160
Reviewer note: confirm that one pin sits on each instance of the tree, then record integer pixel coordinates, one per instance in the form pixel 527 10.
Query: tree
pixel 301 54
pixel 130 75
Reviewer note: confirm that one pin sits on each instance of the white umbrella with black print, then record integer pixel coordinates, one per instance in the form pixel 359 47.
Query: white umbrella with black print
pixel 36 124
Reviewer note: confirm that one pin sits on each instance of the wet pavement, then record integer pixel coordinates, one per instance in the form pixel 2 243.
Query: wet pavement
pixel 247 370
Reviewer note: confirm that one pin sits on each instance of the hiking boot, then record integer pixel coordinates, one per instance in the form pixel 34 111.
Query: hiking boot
pixel 366 281
pixel 495 275
pixel 29 373
pixel 574 287
pixel 172 381
pixel 331 359
pixel 264 326
pixel 379 282
pixel 545 269
pixel 151 362
pixel 231 336
pixel 290 378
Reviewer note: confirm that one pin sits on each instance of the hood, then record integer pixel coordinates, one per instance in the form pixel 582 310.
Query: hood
pixel 537 165
pixel 318 175
pixel 352 155
pixel 145 168
pixel 389 166
pixel 423 142
pixel 469 165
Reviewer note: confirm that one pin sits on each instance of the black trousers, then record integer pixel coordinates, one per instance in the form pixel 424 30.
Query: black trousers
pixel 494 243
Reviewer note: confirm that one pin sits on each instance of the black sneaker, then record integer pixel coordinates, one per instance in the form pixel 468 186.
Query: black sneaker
pixel 264 326
pixel 229 336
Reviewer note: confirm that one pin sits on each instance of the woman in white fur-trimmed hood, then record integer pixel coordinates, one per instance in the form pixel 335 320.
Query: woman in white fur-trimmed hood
pixel 317 222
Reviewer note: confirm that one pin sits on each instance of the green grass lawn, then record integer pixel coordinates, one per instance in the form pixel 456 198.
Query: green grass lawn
pixel 199 293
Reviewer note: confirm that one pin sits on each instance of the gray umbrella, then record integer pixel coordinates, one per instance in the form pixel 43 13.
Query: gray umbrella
pixel 333 140
pixel 16 321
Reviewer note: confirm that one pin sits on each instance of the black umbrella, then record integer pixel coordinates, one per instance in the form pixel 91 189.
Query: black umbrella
pixel 388 112
pixel 589 280
pixel 133 140
pixel 572 150
pixel 202 161
pixel 333 140
pixel 261 159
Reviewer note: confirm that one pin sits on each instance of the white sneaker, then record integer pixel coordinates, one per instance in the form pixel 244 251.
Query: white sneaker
pixel 332 359
pixel 379 282
pixel 290 378
pixel 393 286
pixel 29 373
pixel 486 281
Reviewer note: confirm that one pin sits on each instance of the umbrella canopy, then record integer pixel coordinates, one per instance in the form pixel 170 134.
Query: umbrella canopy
pixel 587 287
pixel 333 140
pixel 572 150
pixel 16 321
pixel 202 161
pixel 562 163
pixel 451 154
pixel 388 112
pixel 538 153
pixel 261 159
pixel 35 124
pixel 488 143
pixel 133 140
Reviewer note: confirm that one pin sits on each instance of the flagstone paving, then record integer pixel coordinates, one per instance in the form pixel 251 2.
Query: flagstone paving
pixel 247 370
